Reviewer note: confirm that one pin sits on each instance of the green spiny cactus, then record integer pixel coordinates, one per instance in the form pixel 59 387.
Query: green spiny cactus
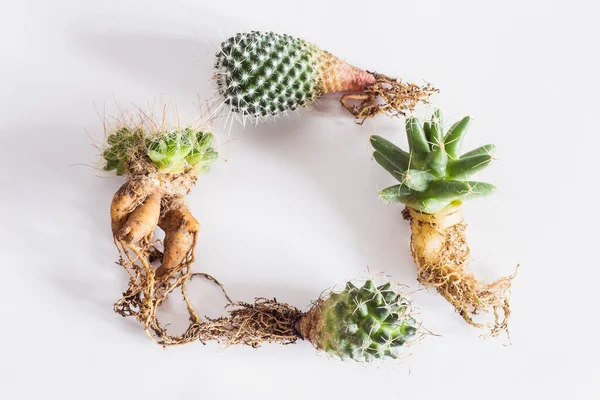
pixel 121 144
pixel 433 174
pixel 262 74
pixel 170 151
pixel 175 150
pixel 371 322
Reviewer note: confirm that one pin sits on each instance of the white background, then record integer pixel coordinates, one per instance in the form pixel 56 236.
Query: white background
pixel 291 208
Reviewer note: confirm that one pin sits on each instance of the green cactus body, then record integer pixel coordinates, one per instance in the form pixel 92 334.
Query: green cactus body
pixel 174 151
pixel 366 323
pixel 433 174
pixel 261 75
pixel 122 144
pixel 171 152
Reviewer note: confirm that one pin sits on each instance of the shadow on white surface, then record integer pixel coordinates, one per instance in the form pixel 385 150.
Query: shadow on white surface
pixel 174 65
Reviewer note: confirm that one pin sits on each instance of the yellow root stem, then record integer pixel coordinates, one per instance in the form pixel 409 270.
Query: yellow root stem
pixel 439 248
pixel 142 221
pixel 180 228
pixel 131 194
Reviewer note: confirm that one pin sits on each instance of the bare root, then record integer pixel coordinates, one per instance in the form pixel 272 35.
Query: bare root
pixel 388 96
pixel 444 266
pixel 181 229
pixel 250 324
pixel 129 196
pixel 142 221
pixel 140 206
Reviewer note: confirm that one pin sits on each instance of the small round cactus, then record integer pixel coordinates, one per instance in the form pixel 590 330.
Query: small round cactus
pixel 366 323
pixel 178 149
pixel 262 75
pixel 433 174
pixel 122 146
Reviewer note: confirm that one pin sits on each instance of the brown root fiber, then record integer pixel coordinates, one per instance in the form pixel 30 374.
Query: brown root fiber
pixel 387 95
pixel 263 321
pixel 151 199
pixel 439 248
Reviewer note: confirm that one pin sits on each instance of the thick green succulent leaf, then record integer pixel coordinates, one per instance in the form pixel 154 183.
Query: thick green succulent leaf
pixel 488 149
pixel 454 137
pixel 414 179
pixel 388 166
pixel 417 179
pixel 449 190
pixel 427 205
pixel 427 130
pixel 410 198
pixel 417 140
pixel 394 154
pixel 463 168
pixel 437 160
pixel 398 193
pixel 479 189
pixel 437 130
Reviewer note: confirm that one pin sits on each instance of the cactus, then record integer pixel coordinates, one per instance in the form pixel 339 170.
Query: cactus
pixel 178 149
pixel 434 183
pixel 262 75
pixel 433 174
pixel 161 162
pixel 171 151
pixel 371 322
pixel 121 146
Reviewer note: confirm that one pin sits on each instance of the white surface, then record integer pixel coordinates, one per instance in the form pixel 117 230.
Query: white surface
pixel 294 209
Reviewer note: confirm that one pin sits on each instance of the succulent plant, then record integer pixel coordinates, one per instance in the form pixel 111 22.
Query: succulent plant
pixel 262 75
pixel 434 173
pixel 175 150
pixel 120 146
pixel 170 151
pixel 366 323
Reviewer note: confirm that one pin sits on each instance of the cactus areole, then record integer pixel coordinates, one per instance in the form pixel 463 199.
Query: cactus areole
pixel 263 75
pixel 434 178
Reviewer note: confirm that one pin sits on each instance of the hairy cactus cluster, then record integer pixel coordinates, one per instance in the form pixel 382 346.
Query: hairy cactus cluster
pixel 433 174
pixel 170 152
pixel 366 323
pixel 175 150
pixel 260 75
pixel 122 146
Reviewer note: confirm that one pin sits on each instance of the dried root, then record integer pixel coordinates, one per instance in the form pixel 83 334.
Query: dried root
pixel 439 248
pixel 387 95
pixel 149 200
pixel 181 229
pixel 263 321
pixel 127 199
